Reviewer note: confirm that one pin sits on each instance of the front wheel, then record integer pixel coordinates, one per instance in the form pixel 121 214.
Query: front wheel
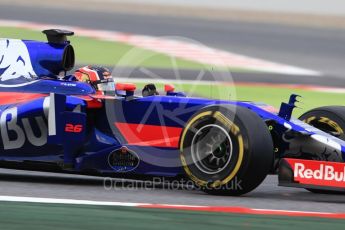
pixel 226 150
pixel 330 119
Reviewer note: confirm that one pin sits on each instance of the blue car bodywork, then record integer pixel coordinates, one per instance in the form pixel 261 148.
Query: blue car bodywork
pixel 46 119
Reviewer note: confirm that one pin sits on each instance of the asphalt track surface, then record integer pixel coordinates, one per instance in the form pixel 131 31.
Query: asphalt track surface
pixel 317 49
pixel 267 196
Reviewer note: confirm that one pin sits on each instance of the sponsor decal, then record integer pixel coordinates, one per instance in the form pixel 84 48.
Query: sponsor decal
pixel 14 136
pixel 15 60
pixel 123 160
pixel 320 173
pixel 67 84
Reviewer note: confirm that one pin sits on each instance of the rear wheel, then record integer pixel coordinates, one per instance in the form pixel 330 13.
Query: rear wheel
pixel 330 119
pixel 226 150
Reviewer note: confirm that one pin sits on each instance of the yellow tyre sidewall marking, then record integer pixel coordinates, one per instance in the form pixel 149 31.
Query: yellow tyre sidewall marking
pixel 197 117
pixel 234 129
pixel 309 119
pixel 331 123
pixel 327 121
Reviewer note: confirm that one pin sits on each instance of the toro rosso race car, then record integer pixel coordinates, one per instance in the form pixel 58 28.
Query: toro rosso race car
pixel 86 124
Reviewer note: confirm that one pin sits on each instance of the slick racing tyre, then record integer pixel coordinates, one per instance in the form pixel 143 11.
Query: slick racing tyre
pixel 330 119
pixel 226 150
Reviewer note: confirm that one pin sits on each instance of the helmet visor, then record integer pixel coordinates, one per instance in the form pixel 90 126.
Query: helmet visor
pixel 106 85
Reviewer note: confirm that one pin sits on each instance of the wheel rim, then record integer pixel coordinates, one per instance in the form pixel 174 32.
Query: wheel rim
pixel 211 149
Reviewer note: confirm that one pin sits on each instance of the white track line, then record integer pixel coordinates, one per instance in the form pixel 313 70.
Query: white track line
pixel 229 209
pixel 66 201
pixel 184 49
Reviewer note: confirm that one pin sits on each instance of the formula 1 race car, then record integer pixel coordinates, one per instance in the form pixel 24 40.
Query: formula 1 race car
pixel 51 121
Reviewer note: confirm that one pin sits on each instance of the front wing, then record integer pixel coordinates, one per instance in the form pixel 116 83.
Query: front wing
pixel 312 174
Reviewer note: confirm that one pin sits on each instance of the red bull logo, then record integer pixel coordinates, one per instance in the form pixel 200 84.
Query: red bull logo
pixel 318 172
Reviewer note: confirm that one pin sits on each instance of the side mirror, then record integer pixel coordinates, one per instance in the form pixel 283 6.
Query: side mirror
pixel 129 88
pixel 126 87
pixel 169 88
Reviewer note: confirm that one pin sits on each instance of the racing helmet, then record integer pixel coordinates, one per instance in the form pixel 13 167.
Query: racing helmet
pixel 97 76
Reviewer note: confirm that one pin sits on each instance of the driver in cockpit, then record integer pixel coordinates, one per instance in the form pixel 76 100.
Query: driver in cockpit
pixel 98 77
